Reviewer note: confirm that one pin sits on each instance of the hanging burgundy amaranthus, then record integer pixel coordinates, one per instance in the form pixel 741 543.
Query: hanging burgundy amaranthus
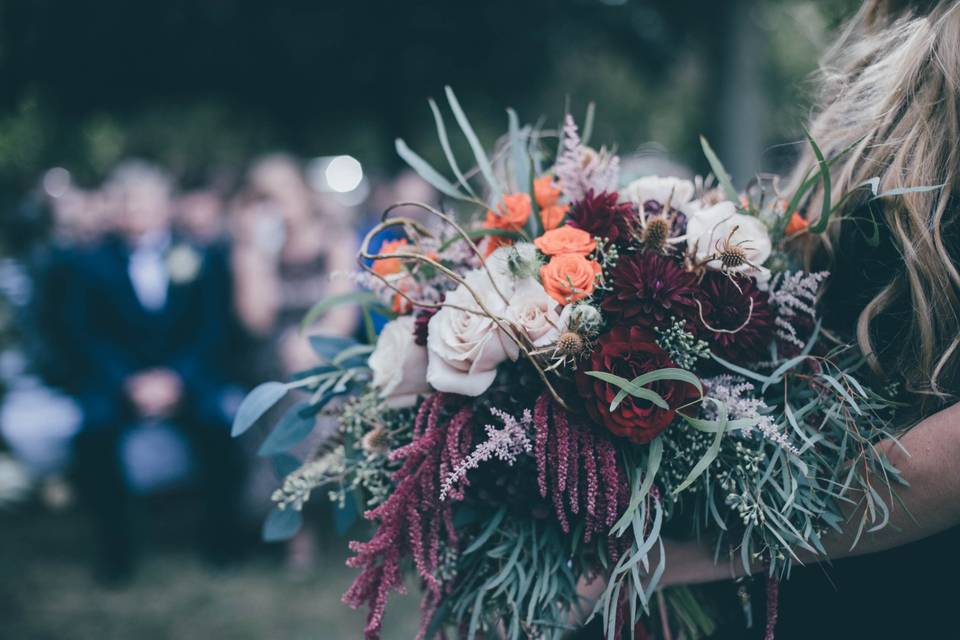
pixel 413 519
pixel 577 466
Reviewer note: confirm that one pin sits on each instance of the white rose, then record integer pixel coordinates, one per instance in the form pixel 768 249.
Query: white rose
pixel 676 191
pixel 708 229
pixel 534 313
pixel 399 364
pixel 465 347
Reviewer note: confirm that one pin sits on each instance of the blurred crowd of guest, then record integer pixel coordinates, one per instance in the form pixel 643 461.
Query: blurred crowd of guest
pixel 143 312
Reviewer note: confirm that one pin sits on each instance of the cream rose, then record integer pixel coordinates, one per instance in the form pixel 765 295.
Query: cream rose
pixel 399 365
pixel 464 347
pixel 535 314
pixel 676 191
pixel 708 229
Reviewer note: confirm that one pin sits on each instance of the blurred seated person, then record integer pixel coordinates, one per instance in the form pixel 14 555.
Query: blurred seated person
pixel 288 246
pixel 200 215
pixel 148 313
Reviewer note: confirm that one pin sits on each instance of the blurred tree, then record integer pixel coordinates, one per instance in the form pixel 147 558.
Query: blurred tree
pixel 195 84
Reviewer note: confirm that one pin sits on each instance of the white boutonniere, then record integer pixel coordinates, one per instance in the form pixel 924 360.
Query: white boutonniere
pixel 183 263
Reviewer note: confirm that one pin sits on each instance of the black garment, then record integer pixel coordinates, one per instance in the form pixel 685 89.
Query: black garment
pixel 111 337
pixel 901 593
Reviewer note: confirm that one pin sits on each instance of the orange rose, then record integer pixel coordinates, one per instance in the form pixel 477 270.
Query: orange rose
pixel 511 214
pixel 546 191
pixel 390 266
pixel 566 239
pixel 569 277
pixel 797 224
pixel 552 216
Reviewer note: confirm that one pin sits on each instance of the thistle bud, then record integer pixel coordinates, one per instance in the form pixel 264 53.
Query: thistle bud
pixel 586 318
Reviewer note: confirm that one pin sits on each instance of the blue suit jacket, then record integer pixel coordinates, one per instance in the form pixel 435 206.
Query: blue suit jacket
pixel 111 335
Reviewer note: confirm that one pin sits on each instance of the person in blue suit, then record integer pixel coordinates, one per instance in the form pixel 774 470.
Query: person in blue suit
pixel 148 320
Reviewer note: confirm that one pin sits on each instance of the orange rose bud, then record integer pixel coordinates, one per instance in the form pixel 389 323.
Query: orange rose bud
pixel 492 243
pixel 552 216
pixel 390 266
pixel 569 277
pixel 511 214
pixel 797 224
pixel 546 191
pixel 566 239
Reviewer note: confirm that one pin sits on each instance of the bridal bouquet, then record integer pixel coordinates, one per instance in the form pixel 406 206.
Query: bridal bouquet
pixel 582 369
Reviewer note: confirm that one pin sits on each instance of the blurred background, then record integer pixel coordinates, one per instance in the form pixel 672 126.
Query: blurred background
pixel 179 181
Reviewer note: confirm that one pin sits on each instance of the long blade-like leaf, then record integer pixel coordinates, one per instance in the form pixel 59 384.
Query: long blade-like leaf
pixel 719 171
pixel 428 173
pixel 826 208
pixel 447 149
pixel 483 163
pixel 518 149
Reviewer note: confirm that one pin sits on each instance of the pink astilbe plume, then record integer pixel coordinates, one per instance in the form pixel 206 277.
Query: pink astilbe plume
pixel 580 169
pixel 504 444
pixel 412 519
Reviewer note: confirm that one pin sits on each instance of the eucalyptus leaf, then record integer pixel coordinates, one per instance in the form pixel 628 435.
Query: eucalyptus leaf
pixel 284 464
pixel 330 302
pixel 292 429
pixel 257 403
pixel 329 347
pixel 281 524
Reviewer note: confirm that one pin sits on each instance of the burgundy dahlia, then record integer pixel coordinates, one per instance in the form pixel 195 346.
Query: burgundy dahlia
pixel 628 353
pixel 737 319
pixel 649 289
pixel 601 216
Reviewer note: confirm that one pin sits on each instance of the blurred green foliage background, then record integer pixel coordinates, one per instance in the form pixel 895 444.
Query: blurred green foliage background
pixel 204 86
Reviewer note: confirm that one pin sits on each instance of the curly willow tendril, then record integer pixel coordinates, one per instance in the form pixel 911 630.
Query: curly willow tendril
pixel 386 222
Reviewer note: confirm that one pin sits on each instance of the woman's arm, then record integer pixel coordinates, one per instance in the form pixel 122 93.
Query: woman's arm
pixel 929 460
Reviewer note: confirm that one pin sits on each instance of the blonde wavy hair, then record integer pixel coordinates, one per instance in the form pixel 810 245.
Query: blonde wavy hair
pixel 890 90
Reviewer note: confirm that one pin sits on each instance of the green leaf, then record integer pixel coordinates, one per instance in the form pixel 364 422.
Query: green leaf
pixel 352 355
pixel 488 531
pixel 518 148
pixel 290 431
pixel 329 347
pixel 284 464
pixel 630 388
pixel 447 149
pixel 479 234
pixel 669 373
pixel 712 451
pixel 257 403
pixel 345 516
pixel 826 208
pixel 588 124
pixel 746 373
pixel 481 156
pixel 281 524
pixel 428 173
pixel 719 171
pixel 328 303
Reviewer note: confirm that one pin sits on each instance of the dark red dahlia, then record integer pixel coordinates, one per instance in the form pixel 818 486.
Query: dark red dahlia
pixel 649 289
pixel 600 215
pixel 737 319
pixel 628 353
